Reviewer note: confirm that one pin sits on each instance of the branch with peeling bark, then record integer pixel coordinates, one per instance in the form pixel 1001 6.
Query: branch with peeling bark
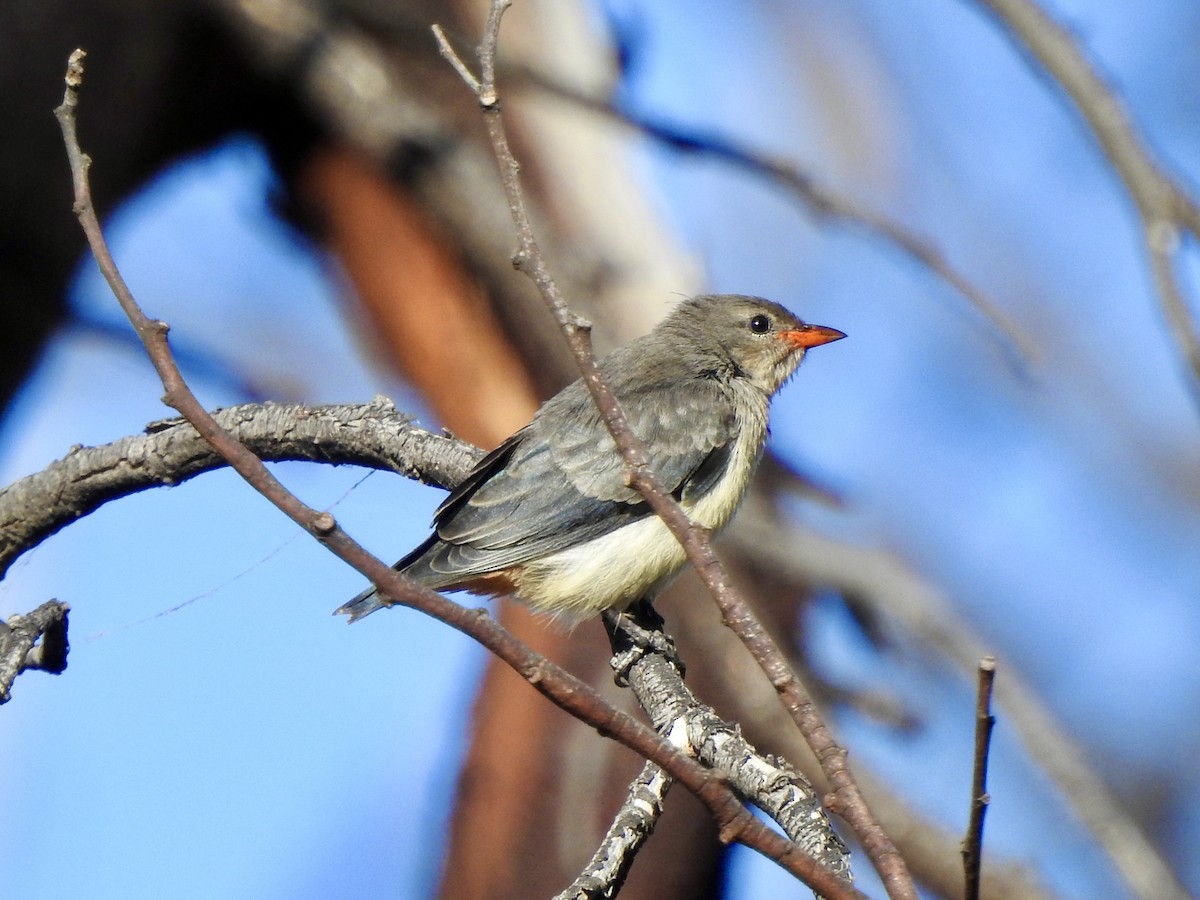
pixel 656 678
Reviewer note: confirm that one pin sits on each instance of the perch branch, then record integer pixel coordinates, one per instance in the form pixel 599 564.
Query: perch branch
pixel 656 677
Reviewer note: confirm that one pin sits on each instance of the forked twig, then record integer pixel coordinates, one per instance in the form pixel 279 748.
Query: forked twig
pixel 1165 208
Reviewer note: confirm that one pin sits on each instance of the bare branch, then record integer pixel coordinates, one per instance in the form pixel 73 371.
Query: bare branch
pixel 19 647
pixel 846 798
pixel 972 851
pixel 562 688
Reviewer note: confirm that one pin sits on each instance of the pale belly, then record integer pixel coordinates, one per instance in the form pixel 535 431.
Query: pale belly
pixel 638 560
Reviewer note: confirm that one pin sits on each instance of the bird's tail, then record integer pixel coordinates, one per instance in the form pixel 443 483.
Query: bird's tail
pixel 369 600
pixel 362 605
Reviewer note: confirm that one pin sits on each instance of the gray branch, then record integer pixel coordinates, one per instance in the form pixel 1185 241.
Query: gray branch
pixel 655 676
pixel 1166 209
pixel 20 648
pixel 368 434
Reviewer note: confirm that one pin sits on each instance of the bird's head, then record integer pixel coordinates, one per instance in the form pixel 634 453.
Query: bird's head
pixel 752 337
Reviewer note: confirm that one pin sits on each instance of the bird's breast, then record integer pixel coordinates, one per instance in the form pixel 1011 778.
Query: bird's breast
pixel 713 509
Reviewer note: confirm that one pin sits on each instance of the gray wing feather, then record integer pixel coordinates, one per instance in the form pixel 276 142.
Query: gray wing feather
pixel 681 423
pixel 559 481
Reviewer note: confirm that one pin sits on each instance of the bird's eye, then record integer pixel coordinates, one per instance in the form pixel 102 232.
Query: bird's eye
pixel 760 324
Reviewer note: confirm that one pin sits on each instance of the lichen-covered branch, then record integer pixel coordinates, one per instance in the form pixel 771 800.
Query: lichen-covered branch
pixel 34 640
pixel 646 660
pixel 602 877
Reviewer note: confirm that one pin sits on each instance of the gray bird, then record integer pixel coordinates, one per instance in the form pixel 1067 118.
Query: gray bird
pixel 547 515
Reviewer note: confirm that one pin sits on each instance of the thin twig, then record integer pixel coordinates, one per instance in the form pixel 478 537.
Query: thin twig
pixel 846 800
pixel 562 688
pixel 454 59
pixel 1163 204
pixel 972 850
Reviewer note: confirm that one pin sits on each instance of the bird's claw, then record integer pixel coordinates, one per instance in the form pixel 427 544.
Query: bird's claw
pixel 635 634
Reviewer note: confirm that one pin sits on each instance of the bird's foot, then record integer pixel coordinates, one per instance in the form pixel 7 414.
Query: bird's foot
pixel 636 633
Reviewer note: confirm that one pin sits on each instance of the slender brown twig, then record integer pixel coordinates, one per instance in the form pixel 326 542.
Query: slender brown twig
pixel 559 686
pixel 972 849
pixel 846 799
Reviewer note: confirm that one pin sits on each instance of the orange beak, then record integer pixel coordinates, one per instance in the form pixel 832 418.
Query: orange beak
pixel 811 336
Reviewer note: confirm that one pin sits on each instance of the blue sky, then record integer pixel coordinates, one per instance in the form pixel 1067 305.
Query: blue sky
pixel 248 744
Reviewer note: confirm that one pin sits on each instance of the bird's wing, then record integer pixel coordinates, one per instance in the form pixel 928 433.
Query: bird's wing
pixel 559 482
pixel 688 427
